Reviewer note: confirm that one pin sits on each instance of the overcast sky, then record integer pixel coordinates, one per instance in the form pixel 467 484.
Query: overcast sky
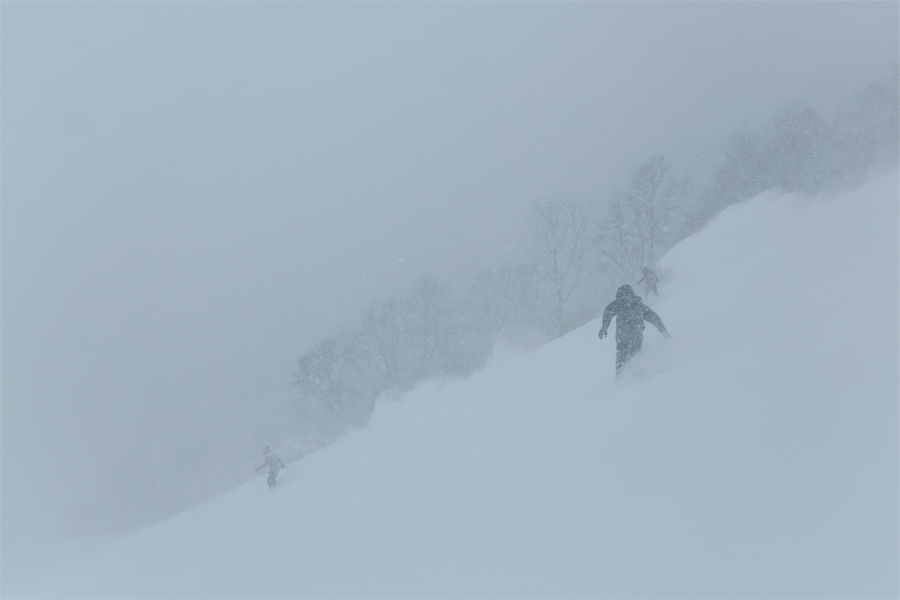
pixel 194 194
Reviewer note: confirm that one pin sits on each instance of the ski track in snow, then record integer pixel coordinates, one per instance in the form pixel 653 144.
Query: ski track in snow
pixel 754 454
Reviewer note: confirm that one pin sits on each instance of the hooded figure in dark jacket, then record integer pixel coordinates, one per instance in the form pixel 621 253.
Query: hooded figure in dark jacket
pixel 630 313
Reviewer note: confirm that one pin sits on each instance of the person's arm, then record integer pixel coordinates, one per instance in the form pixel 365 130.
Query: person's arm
pixel 653 318
pixel 608 314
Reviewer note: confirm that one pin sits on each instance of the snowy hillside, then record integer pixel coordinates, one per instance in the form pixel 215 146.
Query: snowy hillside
pixel 753 454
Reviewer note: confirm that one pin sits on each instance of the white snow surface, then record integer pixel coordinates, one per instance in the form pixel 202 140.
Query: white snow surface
pixel 754 454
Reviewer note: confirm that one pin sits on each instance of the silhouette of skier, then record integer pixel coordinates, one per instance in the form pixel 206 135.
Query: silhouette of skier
pixel 650 280
pixel 630 313
pixel 274 463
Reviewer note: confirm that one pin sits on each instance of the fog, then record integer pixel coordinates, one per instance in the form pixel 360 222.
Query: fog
pixel 193 194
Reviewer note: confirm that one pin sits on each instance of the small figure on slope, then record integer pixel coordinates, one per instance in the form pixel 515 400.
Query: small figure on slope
pixel 630 313
pixel 274 463
pixel 650 280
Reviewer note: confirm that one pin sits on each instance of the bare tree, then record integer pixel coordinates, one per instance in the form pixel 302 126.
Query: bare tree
pixel 500 303
pixel 644 220
pixel 499 296
pixel 561 244
pixel 407 340
pixel 331 378
pixel 742 173
pixel 383 340
pixel 429 315
pixel 865 128
pixel 799 149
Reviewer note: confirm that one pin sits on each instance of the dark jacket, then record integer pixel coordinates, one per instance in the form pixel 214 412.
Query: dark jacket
pixel 630 313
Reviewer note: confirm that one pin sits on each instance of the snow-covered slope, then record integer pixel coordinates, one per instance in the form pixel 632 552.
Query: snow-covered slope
pixel 754 454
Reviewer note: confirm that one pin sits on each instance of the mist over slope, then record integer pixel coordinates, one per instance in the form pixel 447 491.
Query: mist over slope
pixel 753 454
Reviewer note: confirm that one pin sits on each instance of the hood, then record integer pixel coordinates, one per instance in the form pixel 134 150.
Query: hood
pixel 624 291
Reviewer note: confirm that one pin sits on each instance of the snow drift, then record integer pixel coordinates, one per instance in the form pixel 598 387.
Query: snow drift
pixel 754 454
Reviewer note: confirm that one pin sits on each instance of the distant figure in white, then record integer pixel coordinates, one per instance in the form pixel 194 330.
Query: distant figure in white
pixel 274 463
pixel 650 280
